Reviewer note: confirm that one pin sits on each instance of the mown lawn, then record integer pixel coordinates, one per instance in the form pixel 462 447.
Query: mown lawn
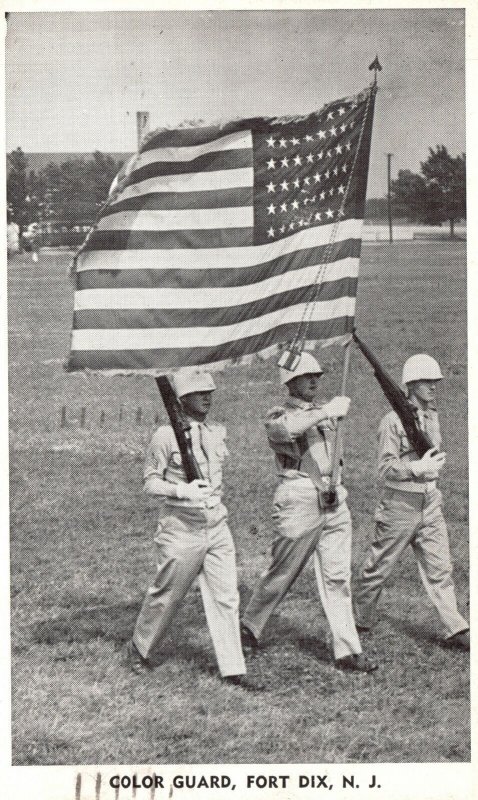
pixel 81 546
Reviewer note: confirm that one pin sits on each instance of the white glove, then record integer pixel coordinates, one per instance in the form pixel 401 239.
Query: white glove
pixel 197 491
pixel 429 465
pixel 337 407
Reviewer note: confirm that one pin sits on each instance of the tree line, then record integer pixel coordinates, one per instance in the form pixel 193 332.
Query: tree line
pixel 436 194
pixel 73 192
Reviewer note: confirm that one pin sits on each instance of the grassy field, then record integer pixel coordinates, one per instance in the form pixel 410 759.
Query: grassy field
pixel 82 547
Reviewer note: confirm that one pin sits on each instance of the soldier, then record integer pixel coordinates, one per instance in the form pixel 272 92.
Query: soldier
pixel 409 511
pixel 193 538
pixel 302 434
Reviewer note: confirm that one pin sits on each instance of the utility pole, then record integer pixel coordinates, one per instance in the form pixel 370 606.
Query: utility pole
pixel 142 125
pixel 389 195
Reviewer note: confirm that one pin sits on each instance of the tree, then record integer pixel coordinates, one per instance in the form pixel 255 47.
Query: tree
pixel 410 196
pixel 102 168
pixel 445 178
pixel 76 189
pixel 17 188
pixel 436 195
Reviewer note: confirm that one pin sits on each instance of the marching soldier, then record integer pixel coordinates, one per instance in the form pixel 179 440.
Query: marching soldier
pixel 409 511
pixel 193 538
pixel 301 434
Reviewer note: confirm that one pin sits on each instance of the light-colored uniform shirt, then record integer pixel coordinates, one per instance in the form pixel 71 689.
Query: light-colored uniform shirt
pixel 163 468
pixel 302 447
pixel 396 455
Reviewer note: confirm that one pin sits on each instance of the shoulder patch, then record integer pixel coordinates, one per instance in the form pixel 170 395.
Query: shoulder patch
pixel 392 421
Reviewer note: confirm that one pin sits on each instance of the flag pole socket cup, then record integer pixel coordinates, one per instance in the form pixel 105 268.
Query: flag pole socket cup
pixel 289 360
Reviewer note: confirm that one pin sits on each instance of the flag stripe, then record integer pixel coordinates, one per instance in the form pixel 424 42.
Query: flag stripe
pixel 191 137
pixel 166 358
pixel 343 253
pixel 240 140
pixel 190 219
pixel 144 339
pixel 233 257
pixel 189 317
pixel 204 297
pixel 174 240
pixel 169 201
pixel 210 162
pixel 190 182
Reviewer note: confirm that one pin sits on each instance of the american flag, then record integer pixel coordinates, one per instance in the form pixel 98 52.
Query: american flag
pixel 210 246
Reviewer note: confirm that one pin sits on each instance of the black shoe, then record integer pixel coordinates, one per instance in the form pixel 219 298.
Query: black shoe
pixel 362 628
pixel 356 663
pixel 135 661
pixel 248 639
pixel 244 682
pixel 459 641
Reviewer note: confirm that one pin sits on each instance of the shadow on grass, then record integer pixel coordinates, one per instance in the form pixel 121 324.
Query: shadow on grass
pixel 423 634
pixel 110 622
pixel 281 631
pixel 116 623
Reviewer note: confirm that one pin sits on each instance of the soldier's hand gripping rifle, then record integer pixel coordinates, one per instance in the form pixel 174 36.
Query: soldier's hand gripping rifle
pixel 181 427
pixel 419 440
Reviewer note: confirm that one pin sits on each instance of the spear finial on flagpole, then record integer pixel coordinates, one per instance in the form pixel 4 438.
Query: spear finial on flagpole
pixel 377 67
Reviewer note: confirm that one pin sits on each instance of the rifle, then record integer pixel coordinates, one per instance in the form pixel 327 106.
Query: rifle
pixel 408 414
pixel 181 427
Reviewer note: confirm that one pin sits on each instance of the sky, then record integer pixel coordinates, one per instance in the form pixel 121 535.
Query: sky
pixel 74 81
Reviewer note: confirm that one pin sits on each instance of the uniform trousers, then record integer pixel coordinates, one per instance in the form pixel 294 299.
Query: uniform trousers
pixel 302 530
pixel 194 543
pixel 415 519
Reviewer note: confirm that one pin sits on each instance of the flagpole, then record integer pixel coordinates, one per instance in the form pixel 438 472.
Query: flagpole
pixel 339 432
pixel 375 66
